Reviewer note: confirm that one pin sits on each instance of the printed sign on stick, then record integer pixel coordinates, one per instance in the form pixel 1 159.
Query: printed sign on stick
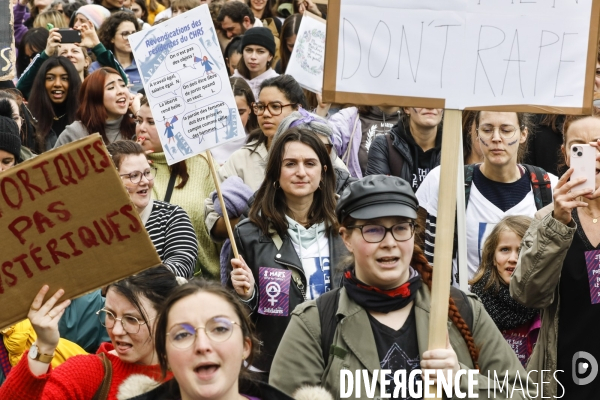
pixel 308 57
pixel 66 221
pixel 187 85
pixel 535 56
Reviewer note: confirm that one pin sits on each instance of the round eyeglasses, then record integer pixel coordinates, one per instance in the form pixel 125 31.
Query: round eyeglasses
pixel 217 329
pixel 136 176
pixel 376 233
pixel 275 108
pixel 505 131
pixel 130 324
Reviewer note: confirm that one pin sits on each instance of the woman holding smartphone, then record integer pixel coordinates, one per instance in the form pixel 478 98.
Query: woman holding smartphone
pixel 75 52
pixel 557 269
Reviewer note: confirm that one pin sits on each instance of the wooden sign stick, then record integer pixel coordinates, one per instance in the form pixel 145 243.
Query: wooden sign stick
pixel 213 172
pixel 440 290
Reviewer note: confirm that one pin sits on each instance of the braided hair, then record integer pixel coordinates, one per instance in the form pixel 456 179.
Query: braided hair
pixel 420 263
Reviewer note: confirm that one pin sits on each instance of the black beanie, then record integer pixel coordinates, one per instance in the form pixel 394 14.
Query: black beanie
pixel 10 141
pixel 259 36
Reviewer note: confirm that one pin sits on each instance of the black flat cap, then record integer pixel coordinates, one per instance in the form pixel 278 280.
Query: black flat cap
pixel 377 196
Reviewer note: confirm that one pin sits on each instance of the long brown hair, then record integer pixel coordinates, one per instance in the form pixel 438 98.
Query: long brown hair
pixel 189 289
pixel 270 207
pixel 518 224
pixel 290 27
pixel 91 111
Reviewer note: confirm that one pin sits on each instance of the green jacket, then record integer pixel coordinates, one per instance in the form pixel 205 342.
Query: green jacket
pixel 103 56
pixel 299 360
pixel 535 284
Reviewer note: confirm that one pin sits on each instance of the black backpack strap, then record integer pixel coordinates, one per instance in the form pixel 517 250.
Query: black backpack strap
pixel 540 184
pixel 170 186
pixel 469 169
pixel 395 160
pixel 327 305
pixel 464 306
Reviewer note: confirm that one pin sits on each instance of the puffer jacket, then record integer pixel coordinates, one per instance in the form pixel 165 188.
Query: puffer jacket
pixel 379 163
pixel 535 283
pixel 259 250
pixel 299 359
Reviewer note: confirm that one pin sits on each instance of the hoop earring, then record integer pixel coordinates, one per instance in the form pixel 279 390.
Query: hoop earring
pixel 320 188
pixel 276 185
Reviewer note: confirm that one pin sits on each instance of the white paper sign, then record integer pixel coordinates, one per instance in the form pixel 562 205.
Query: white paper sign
pixel 308 56
pixel 187 85
pixel 469 52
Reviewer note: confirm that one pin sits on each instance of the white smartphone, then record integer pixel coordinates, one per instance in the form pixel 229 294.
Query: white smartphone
pixel 583 162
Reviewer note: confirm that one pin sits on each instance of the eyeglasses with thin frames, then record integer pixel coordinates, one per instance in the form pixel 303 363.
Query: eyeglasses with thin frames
pixel 373 233
pixel 506 131
pixel 136 176
pixel 275 108
pixel 130 324
pixel 125 34
pixel 217 329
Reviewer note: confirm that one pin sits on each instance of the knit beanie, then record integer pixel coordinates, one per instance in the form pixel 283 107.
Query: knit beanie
pixel 95 13
pixel 260 37
pixel 10 141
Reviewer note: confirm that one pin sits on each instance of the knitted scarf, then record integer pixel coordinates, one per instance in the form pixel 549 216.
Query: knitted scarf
pixel 375 299
pixel 506 312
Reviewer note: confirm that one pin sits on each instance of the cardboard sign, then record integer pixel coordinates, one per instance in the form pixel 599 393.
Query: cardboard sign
pixel 187 85
pixel 535 56
pixel 308 57
pixel 7 41
pixel 66 221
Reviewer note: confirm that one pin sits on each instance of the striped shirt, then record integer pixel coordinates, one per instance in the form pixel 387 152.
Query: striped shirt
pixel 174 238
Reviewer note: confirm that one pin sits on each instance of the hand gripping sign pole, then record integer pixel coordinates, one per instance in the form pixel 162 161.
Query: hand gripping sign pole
pixel 213 172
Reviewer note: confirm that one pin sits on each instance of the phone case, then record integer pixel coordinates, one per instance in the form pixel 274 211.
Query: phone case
pixel 583 162
pixel 70 36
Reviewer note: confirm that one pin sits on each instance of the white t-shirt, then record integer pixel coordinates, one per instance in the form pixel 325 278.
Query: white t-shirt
pixel 481 214
pixel 316 264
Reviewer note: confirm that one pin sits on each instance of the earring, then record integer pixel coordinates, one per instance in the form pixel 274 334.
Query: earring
pixel 276 185
pixel 320 185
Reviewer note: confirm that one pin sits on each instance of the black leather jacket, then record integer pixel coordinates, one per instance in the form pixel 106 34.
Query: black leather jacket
pixel 258 251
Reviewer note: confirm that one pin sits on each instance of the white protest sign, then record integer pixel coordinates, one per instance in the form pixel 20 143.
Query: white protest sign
pixel 187 85
pixel 539 55
pixel 308 57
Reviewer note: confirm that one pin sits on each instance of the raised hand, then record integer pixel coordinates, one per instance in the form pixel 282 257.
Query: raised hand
pixel 565 199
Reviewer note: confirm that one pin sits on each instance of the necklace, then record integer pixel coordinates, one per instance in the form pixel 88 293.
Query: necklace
pixel 594 219
pixel 57 118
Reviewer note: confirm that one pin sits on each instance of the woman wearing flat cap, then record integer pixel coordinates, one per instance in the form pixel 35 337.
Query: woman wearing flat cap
pixel 379 318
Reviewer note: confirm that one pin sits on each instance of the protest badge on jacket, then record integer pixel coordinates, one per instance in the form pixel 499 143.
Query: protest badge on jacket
pixel 274 288
pixel 185 79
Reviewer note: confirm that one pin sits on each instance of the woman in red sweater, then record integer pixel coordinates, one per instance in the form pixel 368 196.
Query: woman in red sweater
pixel 129 315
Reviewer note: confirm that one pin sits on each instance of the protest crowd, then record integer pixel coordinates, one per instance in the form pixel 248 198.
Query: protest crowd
pixel 333 210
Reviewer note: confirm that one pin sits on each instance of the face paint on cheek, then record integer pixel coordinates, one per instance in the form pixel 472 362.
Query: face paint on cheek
pixel 513 143
pixel 482 142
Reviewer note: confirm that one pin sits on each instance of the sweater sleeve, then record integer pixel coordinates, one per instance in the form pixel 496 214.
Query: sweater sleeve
pixel 20 15
pixel 106 58
pixel 181 244
pixel 77 378
pixel 26 81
